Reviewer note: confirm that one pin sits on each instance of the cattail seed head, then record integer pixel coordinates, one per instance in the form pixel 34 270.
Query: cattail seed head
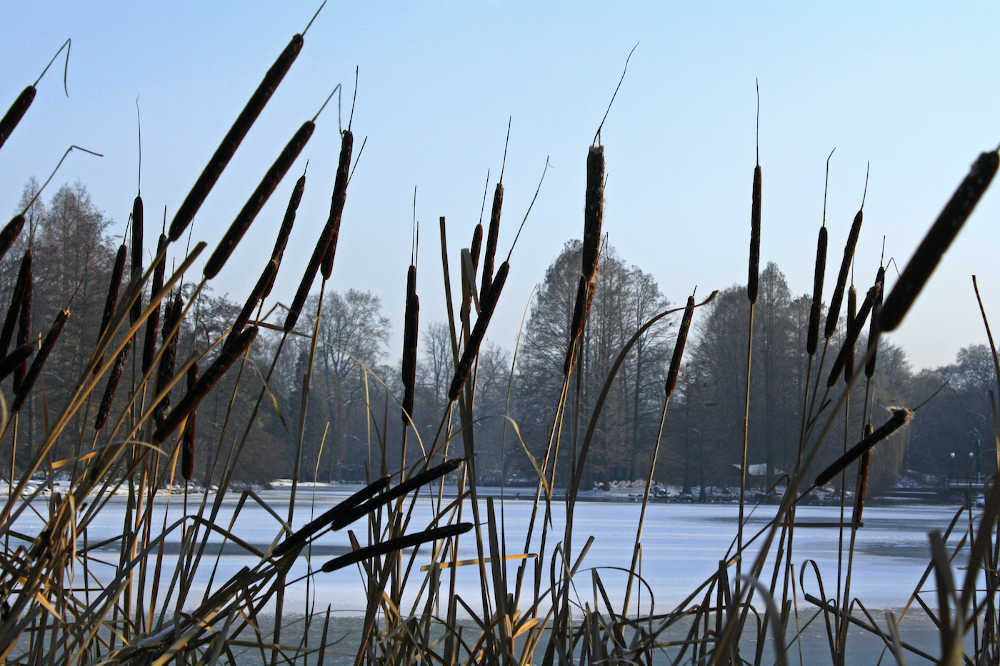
pixel 10 232
pixel 338 200
pixel 48 342
pixel 753 272
pixel 845 266
pixel 165 371
pixel 14 309
pixel 136 272
pixel 392 545
pixel 939 237
pixel 675 360
pixel 227 148
pixel 187 439
pixel 24 326
pixel 900 417
pixel 861 488
pixel 14 359
pixel 229 353
pixel 114 377
pixel 873 330
pixel 252 207
pixel 854 326
pixel 15 113
pixel 289 219
pixel 471 350
pixel 491 240
pixel 153 321
pixel 812 337
pixel 593 212
pixel 117 270
pixel 409 365
pixel 259 292
pixel 475 248
pixel 852 332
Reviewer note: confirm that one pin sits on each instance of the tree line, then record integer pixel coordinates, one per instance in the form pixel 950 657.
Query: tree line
pixel 351 416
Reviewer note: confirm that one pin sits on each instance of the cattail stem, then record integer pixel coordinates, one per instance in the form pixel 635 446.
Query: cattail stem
pixel 939 237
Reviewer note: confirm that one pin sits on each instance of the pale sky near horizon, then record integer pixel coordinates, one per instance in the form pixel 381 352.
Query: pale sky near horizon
pixel 912 87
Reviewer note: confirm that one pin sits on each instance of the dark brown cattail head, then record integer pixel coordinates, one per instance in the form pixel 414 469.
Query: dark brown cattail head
pixel 854 326
pixel 338 200
pixel 24 326
pixel 14 309
pixel 229 354
pixel 16 112
pixel 475 248
pixel 252 207
pixel 833 314
pixel 153 321
pixel 873 330
pixel 136 272
pixel 10 232
pixel 491 240
pixel 286 223
pixel 812 337
pixel 329 234
pixel 114 377
pixel 409 365
pixel 227 148
pixel 14 359
pixel 753 271
pixel 165 371
pixel 852 332
pixel 190 424
pixel 111 299
pixel 583 296
pixel 675 360
pixel 48 342
pixel 593 211
pixel 900 417
pixel 939 237
pixel 471 350
pixel 861 488
pixel 259 292
pixel 392 545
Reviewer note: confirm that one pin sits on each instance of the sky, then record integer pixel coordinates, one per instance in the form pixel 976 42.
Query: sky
pixel 908 86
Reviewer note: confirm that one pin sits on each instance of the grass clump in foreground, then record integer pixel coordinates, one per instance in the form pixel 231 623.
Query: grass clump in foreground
pixel 57 608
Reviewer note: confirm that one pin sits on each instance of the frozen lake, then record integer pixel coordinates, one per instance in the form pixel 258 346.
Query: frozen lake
pixel 682 545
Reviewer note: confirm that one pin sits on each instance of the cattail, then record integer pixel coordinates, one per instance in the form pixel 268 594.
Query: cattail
pixel 20 106
pixel 24 326
pixel 392 545
pixel 153 322
pixel 14 359
pixel 584 295
pixel 165 371
pixel 752 276
pixel 475 247
pixel 873 331
pixel 302 534
pixel 113 286
pixel 675 360
pixel 593 212
pixel 10 232
pixel 48 342
pixel 853 330
pixel 194 395
pixel 471 350
pixel 114 376
pixel 329 233
pixel 187 439
pixel 900 416
pixel 257 200
pixel 936 242
pixel 845 265
pixel 259 292
pixel 412 483
pixel 14 309
pixel 409 365
pixel 286 223
pixel 861 488
pixel 136 273
pixel 491 240
pixel 227 148
pixel 812 336
pixel 338 200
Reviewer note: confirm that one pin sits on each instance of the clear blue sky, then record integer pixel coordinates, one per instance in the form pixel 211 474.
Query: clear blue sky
pixel 912 87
